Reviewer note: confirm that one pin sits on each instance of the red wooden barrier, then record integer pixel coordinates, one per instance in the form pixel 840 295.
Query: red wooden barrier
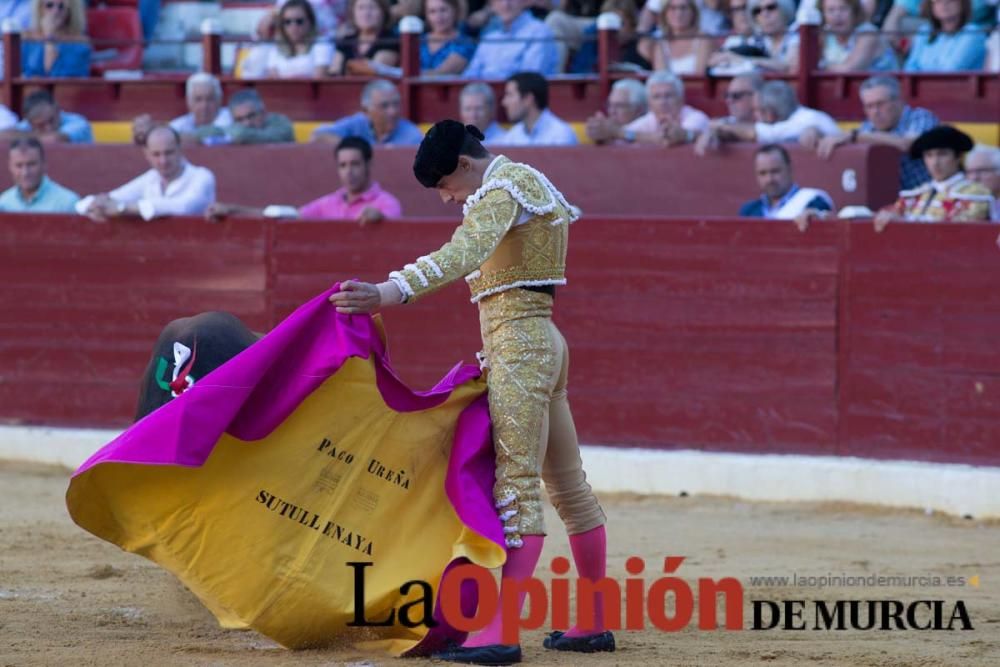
pixel 83 302
pixel 728 335
pixel 920 359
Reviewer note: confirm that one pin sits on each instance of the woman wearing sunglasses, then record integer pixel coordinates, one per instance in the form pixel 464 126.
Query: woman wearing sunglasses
pixel 296 51
pixel 369 47
pixel 56 45
pixel 330 16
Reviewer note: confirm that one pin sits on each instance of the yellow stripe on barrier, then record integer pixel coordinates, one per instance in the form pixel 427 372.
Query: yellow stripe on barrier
pixel 120 132
pixel 304 130
pixel 981 133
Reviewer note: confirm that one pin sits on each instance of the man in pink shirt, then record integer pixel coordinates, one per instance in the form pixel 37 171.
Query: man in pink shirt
pixel 359 198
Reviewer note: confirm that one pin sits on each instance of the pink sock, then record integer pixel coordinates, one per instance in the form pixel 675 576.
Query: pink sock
pixel 520 565
pixel 590 554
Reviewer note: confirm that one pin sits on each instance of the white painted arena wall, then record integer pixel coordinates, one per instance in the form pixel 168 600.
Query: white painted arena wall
pixel 956 489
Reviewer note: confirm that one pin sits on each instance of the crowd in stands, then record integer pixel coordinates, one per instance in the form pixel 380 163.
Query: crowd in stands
pixel 522 43
pixel 493 39
pixel 497 38
pixel 933 185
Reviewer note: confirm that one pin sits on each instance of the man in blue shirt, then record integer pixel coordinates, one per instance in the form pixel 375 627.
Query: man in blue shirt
pixel 513 41
pixel 44 119
pixel 888 122
pixel 378 122
pixel 781 198
pixel 526 101
pixel 33 191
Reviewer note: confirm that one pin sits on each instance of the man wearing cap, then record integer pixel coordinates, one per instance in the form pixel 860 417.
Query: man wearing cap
pixel 949 196
pixel 511 248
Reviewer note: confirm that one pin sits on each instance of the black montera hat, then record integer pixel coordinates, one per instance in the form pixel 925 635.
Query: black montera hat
pixel 942 136
pixel 438 153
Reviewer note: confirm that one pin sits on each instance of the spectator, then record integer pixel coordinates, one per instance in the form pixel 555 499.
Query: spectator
pixel 33 191
pixel 982 166
pixel 378 122
pixel 513 41
pixel 850 43
pixel 780 119
pixel 949 196
pixel 888 121
pixel 56 45
pixel 949 42
pixel 477 106
pixel 570 23
pixel 774 20
pixel 252 124
pixel 740 98
pixel 676 47
pixel 329 15
pixel 713 16
pixel 585 59
pixel 44 119
pixel 781 198
pixel 444 49
pixel 369 47
pixel 359 198
pixel 742 44
pixel 626 103
pixel 297 50
pixel 669 121
pixel 907 15
pixel 203 94
pixel 740 102
pixel 172 186
pixel 526 101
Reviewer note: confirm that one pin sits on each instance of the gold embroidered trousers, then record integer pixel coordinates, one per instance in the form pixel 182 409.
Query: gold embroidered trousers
pixel 533 431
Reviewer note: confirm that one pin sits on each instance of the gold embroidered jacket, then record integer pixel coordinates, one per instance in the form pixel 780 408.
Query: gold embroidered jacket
pixel 514 234
pixel 956 199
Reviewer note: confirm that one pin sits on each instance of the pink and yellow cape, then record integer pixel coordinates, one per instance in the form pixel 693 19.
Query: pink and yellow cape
pixel 258 485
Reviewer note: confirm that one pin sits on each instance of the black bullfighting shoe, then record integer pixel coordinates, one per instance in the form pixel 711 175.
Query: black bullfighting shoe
pixel 558 641
pixel 494 654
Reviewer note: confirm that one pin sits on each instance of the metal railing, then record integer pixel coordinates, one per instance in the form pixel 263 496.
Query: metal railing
pixel 809 78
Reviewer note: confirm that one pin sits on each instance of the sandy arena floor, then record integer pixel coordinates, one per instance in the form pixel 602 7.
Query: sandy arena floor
pixel 67 598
